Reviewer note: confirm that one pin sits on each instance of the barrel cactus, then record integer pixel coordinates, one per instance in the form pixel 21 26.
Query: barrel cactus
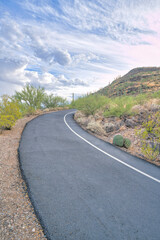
pixel 118 140
pixel 127 143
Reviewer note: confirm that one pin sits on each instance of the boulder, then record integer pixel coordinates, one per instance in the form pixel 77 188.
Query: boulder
pixel 81 118
pixel 154 107
pixel 138 109
pixel 83 121
pixel 95 128
pixel 130 123
pixel 78 114
pixel 113 126
pixel 109 127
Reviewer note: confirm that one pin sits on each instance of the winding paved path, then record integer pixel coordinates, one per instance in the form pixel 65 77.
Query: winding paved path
pixel 85 189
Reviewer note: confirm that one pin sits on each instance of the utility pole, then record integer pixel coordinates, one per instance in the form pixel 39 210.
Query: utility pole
pixel 72 97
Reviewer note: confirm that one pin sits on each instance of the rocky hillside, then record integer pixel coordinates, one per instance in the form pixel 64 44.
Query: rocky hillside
pixel 138 80
pixel 127 126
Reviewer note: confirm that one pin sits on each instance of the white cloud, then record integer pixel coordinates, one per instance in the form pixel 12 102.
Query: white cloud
pixel 12 71
pixel 52 56
pixel 41 9
pixel 84 58
pixel 62 57
pixel 81 47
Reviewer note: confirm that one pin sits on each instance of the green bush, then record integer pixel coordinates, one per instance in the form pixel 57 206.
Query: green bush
pixel 119 106
pixel 25 109
pixel 9 107
pixel 118 140
pixel 31 96
pixel 7 121
pixel 150 136
pixel 156 94
pixel 116 107
pixel 51 101
pixel 89 104
pixel 127 143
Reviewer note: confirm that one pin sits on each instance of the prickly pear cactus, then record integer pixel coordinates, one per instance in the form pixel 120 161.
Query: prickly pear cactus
pixel 118 140
pixel 127 143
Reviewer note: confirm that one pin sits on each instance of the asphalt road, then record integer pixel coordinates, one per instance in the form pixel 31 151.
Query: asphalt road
pixel 87 190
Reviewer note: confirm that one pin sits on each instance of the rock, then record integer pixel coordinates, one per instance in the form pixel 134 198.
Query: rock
pixel 78 114
pixel 91 118
pixel 109 127
pixel 82 121
pixel 138 109
pixel 130 123
pixel 33 230
pixel 154 107
pixel 113 126
pixel 98 116
pixel 95 128
pixel 81 118
pixel 121 123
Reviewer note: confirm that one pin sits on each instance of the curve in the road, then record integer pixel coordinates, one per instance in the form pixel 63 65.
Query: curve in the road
pixel 118 160
pixel 80 193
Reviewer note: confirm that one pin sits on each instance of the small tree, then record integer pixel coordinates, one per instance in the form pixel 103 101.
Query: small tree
pixel 51 101
pixel 9 107
pixel 9 112
pixel 31 96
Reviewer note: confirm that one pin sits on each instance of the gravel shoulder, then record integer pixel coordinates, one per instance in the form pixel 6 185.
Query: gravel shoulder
pixel 17 218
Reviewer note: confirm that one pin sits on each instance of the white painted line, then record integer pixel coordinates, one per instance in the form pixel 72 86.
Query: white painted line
pixel 118 160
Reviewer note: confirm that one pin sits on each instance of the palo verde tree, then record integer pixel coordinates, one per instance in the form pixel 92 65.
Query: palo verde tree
pixel 31 96
pixel 51 101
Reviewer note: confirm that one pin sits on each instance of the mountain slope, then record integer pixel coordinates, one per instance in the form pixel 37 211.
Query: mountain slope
pixel 138 80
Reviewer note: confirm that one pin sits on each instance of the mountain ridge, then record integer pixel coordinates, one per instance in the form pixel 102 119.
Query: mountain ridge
pixel 136 81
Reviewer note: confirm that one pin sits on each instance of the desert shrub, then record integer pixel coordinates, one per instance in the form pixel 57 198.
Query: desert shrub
pixel 7 121
pixel 120 106
pixel 89 104
pixel 28 110
pixel 51 101
pixel 150 136
pixel 127 143
pixel 141 98
pixel 118 140
pixel 9 107
pixel 31 96
pixel 156 94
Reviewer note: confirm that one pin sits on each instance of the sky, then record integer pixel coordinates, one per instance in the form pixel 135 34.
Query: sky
pixel 75 46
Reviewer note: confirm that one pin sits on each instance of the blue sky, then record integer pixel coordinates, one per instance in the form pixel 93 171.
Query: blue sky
pixel 75 46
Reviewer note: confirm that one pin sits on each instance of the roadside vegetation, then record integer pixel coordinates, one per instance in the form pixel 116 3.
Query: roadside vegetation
pixel 112 107
pixel 26 102
pixel 89 104
pixel 140 112
pixel 150 136
pixel 122 111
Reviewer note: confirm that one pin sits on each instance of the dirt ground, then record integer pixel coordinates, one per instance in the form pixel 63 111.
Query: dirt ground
pixel 17 218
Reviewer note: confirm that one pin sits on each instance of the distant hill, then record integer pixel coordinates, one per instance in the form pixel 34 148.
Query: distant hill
pixel 138 80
